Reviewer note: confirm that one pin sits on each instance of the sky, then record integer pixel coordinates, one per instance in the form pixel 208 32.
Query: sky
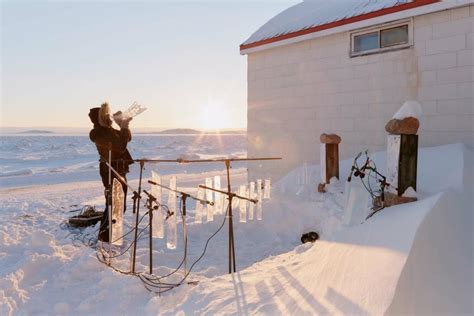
pixel 180 59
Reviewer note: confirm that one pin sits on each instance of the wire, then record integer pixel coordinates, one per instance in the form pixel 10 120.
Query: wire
pixel 167 286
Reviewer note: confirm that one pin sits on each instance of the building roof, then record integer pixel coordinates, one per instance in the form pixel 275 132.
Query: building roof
pixel 315 15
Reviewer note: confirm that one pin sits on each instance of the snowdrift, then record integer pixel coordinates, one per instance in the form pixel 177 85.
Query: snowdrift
pixel 407 259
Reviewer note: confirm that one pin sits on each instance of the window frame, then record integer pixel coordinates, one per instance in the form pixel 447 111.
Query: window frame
pixel 379 29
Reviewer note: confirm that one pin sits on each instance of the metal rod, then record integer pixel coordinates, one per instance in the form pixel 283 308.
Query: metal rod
pixel 203 160
pixel 231 193
pixel 150 216
pixel 185 236
pixel 181 192
pixel 109 208
pixel 136 217
pixel 231 224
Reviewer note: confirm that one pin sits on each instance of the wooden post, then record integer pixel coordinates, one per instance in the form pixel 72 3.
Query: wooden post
pixel 329 159
pixel 402 156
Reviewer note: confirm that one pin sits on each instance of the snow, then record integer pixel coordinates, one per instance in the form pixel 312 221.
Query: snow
pixel 409 258
pixel 311 13
pixel 409 109
pixel 409 192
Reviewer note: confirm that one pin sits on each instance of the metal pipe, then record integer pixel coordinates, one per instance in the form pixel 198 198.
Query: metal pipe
pixel 231 193
pixel 136 217
pixel 181 192
pixel 109 207
pixel 203 160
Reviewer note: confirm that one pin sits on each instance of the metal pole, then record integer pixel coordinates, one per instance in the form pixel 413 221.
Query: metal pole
pixel 150 216
pixel 185 237
pixel 231 224
pixel 136 217
pixel 109 208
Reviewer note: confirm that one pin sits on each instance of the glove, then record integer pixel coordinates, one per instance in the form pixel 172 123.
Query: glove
pixel 121 121
pixel 125 122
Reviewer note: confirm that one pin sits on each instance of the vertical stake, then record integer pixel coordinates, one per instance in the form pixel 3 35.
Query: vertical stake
pixel 150 216
pixel 109 208
pixel 185 237
pixel 231 224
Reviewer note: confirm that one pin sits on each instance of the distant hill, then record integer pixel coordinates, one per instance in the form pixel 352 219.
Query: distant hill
pixel 36 131
pixel 190 131
pixel 179 131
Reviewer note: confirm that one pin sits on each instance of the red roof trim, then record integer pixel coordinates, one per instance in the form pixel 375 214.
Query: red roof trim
pixel 398 8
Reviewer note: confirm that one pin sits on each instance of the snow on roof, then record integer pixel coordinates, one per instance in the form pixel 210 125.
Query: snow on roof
pixel 312 15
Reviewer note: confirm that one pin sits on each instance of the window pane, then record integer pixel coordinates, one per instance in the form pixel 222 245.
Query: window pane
pixel 394 36
pixel 366 42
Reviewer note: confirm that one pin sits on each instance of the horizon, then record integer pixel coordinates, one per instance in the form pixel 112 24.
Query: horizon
pixel 60 59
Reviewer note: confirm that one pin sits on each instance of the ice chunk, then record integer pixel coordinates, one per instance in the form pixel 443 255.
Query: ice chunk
pixel 409 109
pixel 267 190
pixel 172 230
pixel 243 204
pixel 199 206
pixel 218 197
pixel 133 110
pixel 252 196
pixel 209 197
pixel 117 213
pixel 260 200
pixel 158 215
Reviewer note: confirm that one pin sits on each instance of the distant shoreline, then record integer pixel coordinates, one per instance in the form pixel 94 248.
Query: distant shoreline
pixel 65 132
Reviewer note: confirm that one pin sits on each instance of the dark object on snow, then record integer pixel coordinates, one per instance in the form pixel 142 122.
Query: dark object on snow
pixel 88 217
pixel 309 237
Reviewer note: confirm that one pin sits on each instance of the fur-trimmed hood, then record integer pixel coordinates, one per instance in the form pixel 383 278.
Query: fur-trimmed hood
pixel 101 116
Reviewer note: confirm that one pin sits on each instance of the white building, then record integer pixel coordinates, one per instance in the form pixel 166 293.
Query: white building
pixel 347 66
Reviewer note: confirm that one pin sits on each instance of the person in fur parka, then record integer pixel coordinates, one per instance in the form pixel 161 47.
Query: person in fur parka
pixel 108 138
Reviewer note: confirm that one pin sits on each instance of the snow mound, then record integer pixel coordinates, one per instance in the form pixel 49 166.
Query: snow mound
pixel 409 109
pixel 400 261
pixel 412 258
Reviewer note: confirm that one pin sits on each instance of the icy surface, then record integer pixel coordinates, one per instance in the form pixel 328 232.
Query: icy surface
pixel 311 13
pixel 27 160
pixel 409 109
pixel 363 269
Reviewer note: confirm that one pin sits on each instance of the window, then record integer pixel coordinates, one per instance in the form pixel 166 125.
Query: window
pixel 381 39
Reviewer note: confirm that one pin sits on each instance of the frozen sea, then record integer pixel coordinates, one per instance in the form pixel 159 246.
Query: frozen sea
pixel 39 159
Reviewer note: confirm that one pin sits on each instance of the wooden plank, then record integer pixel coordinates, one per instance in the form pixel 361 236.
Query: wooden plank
pixel 332 161
pixel 407 170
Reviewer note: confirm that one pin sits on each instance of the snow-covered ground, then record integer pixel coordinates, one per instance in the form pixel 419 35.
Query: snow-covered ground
pixel 413 258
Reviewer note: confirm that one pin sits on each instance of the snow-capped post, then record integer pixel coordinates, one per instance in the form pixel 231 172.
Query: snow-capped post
pixel 329 159
pixel 402 154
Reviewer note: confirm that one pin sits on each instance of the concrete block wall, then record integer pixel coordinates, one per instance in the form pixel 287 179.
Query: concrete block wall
pixel 298 91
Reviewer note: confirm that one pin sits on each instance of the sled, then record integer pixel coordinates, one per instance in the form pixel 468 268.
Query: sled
pixel 88 217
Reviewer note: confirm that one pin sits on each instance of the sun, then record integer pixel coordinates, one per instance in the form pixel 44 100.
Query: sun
pixel 214 115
